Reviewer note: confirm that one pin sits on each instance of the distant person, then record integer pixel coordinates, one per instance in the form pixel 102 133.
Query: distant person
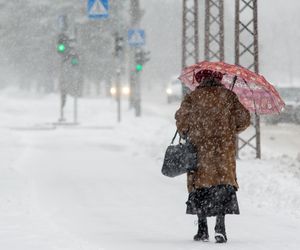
pixel 212 116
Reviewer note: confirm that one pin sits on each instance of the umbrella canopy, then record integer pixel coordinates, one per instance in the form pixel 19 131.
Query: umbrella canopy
pixel 254 91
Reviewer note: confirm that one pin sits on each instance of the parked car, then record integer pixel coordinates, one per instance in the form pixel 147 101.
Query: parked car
pixel 291 113
pixel 174 91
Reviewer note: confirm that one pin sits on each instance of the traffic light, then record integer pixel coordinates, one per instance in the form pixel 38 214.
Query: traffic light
pixel 139 67
pixel 141 57
pixel 118 44
pixel 61 47
pixel 63 44
pixel 146 56
pixel 138 60
pixel 74 60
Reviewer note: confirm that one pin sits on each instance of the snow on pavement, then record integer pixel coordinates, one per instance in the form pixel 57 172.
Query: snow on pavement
pixel 97 186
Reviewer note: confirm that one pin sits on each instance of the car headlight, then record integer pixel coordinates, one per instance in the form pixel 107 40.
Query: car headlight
pixel 169 91
pixel 113 90
pixel 126 90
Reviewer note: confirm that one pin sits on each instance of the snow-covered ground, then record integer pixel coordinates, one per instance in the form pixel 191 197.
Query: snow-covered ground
pixel 98 186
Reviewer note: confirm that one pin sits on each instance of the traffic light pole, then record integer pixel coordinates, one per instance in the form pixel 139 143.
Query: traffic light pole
pixel 75 63
pixel 63 95
pixel 135 96
pixel 75 110
pixel 118 51
pixel 138 99
pixel 69 79
pixel 118 94
pixel 62 104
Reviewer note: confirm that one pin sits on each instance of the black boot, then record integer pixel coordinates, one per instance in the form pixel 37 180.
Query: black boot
pixel 220 232
pixel 202 234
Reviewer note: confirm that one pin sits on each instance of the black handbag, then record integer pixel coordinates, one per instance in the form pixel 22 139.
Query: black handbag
pixel 180 158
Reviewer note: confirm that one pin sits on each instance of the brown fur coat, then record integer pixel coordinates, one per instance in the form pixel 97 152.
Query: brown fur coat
pixel 212 117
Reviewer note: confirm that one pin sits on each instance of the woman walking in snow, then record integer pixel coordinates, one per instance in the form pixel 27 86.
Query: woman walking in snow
pixel 212 116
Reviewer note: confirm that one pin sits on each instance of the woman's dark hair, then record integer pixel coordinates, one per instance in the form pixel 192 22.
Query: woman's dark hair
pixel 210 81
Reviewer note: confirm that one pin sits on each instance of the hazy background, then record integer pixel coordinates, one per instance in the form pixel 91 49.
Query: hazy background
pixel 29 32
pixel 279 35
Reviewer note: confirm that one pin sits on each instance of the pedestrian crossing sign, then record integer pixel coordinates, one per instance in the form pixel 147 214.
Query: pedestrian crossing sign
pixel 98 9
pixel 136 37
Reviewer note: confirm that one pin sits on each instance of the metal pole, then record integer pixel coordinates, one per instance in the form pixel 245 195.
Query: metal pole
pixel 214 30
pixel 237 33
pixel 135 14
pixel 190 35
pixel 222 50
pixel 119 48
pixel 256 69
pixel 236 56
pixel 62 98
pixel 118 94
pixel 207 25
pixel 138 109
pixel 196 30
pixel 183 40
pixel 246 50
pixel 75 110
pixel 63 95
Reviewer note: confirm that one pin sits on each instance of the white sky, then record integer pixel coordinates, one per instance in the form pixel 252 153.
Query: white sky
pixel 278 38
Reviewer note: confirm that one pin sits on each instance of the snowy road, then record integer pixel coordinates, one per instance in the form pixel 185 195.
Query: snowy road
pixel 98 186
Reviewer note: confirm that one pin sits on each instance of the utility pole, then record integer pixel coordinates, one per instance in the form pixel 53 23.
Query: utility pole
pixel 246 54
pixel 214 30
pixel 190 35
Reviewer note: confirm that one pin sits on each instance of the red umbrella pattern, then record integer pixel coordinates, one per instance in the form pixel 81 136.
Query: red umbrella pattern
pixel 254 91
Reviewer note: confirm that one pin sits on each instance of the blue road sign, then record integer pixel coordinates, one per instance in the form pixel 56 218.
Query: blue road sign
pixel 98 9
pixel 136 37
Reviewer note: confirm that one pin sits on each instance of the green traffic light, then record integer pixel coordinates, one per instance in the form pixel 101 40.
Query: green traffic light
pixel 139 67
pixel 74 61
pixel 61 48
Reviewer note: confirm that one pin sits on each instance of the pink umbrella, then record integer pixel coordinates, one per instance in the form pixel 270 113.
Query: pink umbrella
pixel 254 91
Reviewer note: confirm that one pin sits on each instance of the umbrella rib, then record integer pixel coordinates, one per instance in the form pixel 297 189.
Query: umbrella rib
pixel 274 102
pixel 254 98
pixel 252 94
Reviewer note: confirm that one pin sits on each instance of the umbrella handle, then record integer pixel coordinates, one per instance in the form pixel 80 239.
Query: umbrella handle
pixel 194 77
pixel 234 81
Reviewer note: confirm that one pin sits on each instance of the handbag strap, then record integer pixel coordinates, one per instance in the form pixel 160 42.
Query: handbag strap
pixel 175 137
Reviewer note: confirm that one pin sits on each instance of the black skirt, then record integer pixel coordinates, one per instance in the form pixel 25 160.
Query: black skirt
pixel 213 201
